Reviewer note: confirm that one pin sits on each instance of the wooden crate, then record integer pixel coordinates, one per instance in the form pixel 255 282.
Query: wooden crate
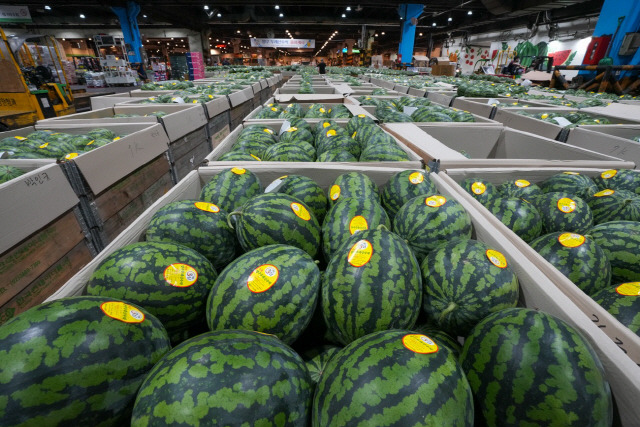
pixel 238 113
pixel 190 161
pixel 39 265
pixel 184 149
pixel 217 124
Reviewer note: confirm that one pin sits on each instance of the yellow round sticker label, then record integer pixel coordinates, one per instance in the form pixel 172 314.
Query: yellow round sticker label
pixel 603 193
pixel 354 135
pixel 326 124
pixel 269 131
pixel 123 312
pixel 256 157
pixel 263 278
pixel 331 132
pixel 180 275
pixel 334 193
pixel 630 289
pixel 435 201
pixel 207 207
pixel 416 178
pixel 274 109
pixel 71 156
pixel 478 187
pixel 544 116
pixel 571 173
pixel 45 145
pixel 239 171
pixel 362 116
pixel 496 258
pixel 358 223
pixel 360 253
pixel 522 183
pixel 300 211
pixel 609 174
pixel 419 343
pixel 566 205
pixel 292 129
pixel 322 110
pixel 571 240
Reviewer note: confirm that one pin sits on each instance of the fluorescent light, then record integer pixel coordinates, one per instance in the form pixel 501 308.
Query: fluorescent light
pixel 420 34
pixel 450 19
pixel 90 39
pixel 238 31
pixel 348 7
pixel 47 8
pixel 281 15
pixel 433 25
pixel 344 15
pixel 82 16
pixel 206 7
pixel 277 7
pixel 470 13
pixel 375 35
pixel 382 33
pixel 144 16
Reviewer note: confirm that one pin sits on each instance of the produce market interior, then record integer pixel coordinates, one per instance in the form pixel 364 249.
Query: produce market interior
pixel 285 213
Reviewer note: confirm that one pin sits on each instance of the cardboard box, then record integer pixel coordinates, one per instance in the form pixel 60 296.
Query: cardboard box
pixel 486 107
pixel 240 97
pixel 354 109
pixel 613 140
pixel 495 146
pixel 537 292
pixel 417 92
pixel 320 90
pixel 106 101
pixel 442 97
pixel 630 112
pixel 617 347
pixel 511 118
pixel 228 142
pixel 180 120
pixel 443 69
pixel 479 121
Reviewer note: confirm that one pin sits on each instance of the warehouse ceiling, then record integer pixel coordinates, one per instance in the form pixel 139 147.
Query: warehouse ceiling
pixel 314 19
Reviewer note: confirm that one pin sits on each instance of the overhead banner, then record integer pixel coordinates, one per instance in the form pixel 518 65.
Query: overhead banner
pixel 284 43
pixel 14 14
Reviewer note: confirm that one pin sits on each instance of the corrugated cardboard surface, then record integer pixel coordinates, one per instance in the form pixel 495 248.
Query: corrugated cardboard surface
pixel 630 112
pixel 479 121
pixel 495 146
pixel 484 106
pixel 614 140
pixel 108 101
pixel 354 109
pixel 320 90
pixel 555 294
pixel 32 200
pixel 106 165
pixel 228 142
pixel 441 97
pixel 510 118
pixel 310 98
pixel 240 97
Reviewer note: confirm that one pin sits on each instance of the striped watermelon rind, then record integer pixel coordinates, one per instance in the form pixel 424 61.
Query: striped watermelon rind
pixel 619 179
pixel 317 358
pixel 622 305
pixel 614 205
pixel 352 184
pixel 403 187
pixel 521 352
pixel 231 188
pixel 7 173
pixel 570 182
pixel 304 189
pixel 518 215
pixel 620 241
pixel 68 362
pixel 520 188
pixel 480 189
pixel 563 212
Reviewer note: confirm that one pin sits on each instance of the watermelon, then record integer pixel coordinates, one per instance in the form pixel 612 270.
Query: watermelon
pixel 620 179
pixel 329 132
pixel 80 141
pixel 620 241
pixel 380 138
pixel 336 156
pixel 304 189
pixel 463 116
pixel 365 133
pixel 272 289
pixel 231 188
pixel 384 153
pixel 265 134
pixel 274 218
pixel 442 338
pixel 372 283
pixel 339 111
pixel 480 189
pixel 325 125
pixel 578 257
pixel 340 142
pixel 404 186
pixel 224 378
pixel 295 109
pixel 623 302
pixel 614 205
pixel 290 152
pixel 526 367
pixel 464 281
pixel 101 133
pixel 427 222
pixel 197 225
pixel 347 217
pixel 170 281
pixel 294 134
pixel 393 378
pixel 250 146
pixel 359 121
pixel 269 112
pixel 431 117
pixel 76 360
pixel 238 156
pixel 570 182
pixel 353 184
pixel 96 143
pixel 7 173
pixel 301 124
pixel 518 215
pixel 519 188
pixel 317 358
pixel 563 212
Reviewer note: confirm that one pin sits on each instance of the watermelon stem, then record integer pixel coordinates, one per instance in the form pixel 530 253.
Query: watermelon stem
pixel 452 306
pixel 382 227
pixel 229 218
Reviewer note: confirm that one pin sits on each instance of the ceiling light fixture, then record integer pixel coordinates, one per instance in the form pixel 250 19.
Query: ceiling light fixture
pixel 82 16
pixel 344 15
pixel 348 7
pixel 420 33
pixel 450 19
pixel 238 31
pixel 433 25
pixel 219 15
pixel 277 7
pixel 470 13
pixel 47 8
pixel 281 15
pixel 144 16
pixel 206 7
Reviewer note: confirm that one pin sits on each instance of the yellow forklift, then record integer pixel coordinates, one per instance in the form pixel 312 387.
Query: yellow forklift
pixel 33 85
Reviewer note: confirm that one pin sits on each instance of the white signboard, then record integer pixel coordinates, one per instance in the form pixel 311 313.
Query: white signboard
pixel 284 43
pixel 14 14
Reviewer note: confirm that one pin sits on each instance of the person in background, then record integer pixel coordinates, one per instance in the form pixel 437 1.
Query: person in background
pixel 141 71
pixel 514 66
pixel 225 61
pixel 322 67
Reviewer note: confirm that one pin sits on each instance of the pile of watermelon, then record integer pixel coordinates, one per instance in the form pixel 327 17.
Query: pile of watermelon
pixel 341 305
pixel 47 144
pixel 588 228
pixel 574 118
pixel 361 139
pixel 421 110
pixel 7 173
pixel 312 111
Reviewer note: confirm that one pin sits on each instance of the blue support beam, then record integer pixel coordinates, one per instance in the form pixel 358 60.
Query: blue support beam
pixel 408 12
pixel 128 17
pixel 611 11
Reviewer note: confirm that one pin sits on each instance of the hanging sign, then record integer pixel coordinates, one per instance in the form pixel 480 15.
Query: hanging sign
pixel 14 13
pixel 284 43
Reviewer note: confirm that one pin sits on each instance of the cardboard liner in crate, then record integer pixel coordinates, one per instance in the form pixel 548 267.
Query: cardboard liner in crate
pixel 612 140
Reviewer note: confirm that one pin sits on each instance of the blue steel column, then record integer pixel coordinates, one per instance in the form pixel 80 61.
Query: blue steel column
pixel 608 22
pixel 408 11
pixel 129 24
